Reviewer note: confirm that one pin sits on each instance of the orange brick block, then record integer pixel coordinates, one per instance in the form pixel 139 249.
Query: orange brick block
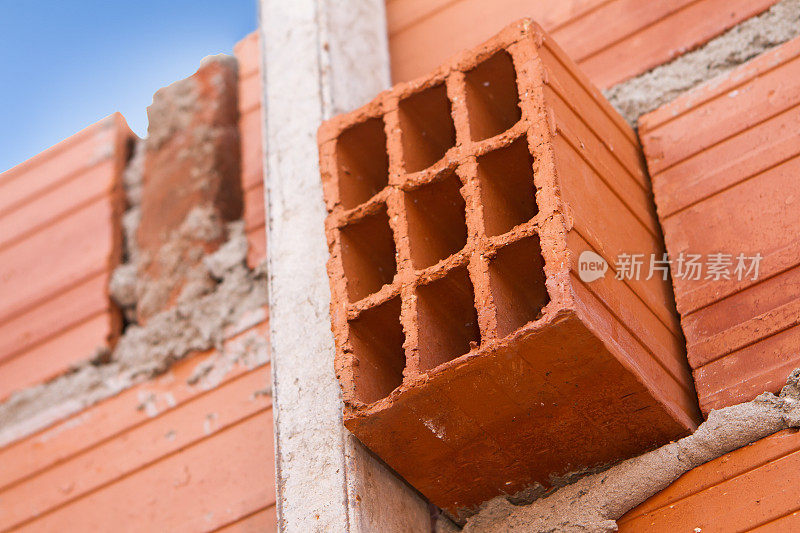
pixel 725 166
pixel 751 489
pixel 60 237
pixel 472 357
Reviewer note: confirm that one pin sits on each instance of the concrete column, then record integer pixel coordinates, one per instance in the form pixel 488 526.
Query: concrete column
pixel 321 57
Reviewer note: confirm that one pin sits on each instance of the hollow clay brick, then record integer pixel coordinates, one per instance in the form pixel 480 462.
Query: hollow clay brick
pixel 724 163
pixel 472 358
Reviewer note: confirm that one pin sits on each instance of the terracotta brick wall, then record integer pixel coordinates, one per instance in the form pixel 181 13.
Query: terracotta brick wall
pixel 724 164
pixel 610 40
pixel 189 450
pixel 59 241
pixel 165 455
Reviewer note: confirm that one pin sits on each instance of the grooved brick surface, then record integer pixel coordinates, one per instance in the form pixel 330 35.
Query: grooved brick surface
pixel 60 237
pixel 751 489
pixel 250 123
pixel 611 40
pixel 472 358
pixel 726 176
pixel 168 435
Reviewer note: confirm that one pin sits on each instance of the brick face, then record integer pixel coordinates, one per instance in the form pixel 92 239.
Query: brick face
pixel 169 433
pixel 724 165
pixel 250 125
pixel 751 489
pixel 60 238
pixel 610 40
pixel 457 212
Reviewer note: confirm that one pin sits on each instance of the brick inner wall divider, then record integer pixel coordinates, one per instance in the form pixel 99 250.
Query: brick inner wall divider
pixel 472 359
pixel 724 162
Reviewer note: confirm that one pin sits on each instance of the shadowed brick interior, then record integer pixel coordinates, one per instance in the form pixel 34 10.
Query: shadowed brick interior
pixel 517 283
pixel 447 320
pixel 427 128
pixel 363 164
pixel 368 254
pixel 508 195
pixel 456 306
pixel 492 98
pixel 378 343
pixel 437 225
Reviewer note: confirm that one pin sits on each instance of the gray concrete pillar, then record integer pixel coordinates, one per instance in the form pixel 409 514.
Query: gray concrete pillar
pixel 321 57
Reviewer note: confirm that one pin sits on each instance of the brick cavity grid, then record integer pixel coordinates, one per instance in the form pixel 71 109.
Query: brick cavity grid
pixel 472 359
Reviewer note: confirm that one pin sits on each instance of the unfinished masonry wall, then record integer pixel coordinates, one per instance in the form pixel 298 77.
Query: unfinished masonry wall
pixel 187 384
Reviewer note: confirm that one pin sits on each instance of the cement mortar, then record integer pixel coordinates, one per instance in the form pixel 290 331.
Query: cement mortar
pixel 594 503
pixel 143 352
pixel 664 83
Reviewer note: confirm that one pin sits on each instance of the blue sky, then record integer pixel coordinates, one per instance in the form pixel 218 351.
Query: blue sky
pixel 65 64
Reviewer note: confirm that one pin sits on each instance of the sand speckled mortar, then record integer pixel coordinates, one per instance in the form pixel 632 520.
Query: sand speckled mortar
pixel 472 358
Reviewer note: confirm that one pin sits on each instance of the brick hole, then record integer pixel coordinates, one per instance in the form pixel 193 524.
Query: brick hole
pixel 492 97
pixel 427 128
pixel 377 337
pixel 362 161
pixel 446 318
pixel 508 195
pixel 517 283
pixel 368 255
pixel 436 221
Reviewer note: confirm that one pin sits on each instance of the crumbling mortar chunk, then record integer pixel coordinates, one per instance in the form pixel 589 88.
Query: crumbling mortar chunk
pixel 649 91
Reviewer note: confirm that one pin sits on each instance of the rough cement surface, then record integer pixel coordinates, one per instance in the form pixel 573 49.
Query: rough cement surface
pixel 594 503
pixel 174 107
pixel 133 176
pixel 664 83
pixel 200 323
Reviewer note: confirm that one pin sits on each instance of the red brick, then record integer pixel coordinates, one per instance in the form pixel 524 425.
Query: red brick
pixel 472 358
pixel 192 161
pixel 724 163
pixel 611 40
pixel 250 132
pixel 751 489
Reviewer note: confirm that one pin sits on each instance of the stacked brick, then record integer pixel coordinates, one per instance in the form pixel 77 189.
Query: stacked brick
pixel 609 40
pixel 751 489
pixel 149 458
pixel 724 165
pixel 60 239
pixel 472 358
pixel 250 125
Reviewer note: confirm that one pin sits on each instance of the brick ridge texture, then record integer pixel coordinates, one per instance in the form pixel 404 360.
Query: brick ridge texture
pixel 471 356
pixel 724 165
